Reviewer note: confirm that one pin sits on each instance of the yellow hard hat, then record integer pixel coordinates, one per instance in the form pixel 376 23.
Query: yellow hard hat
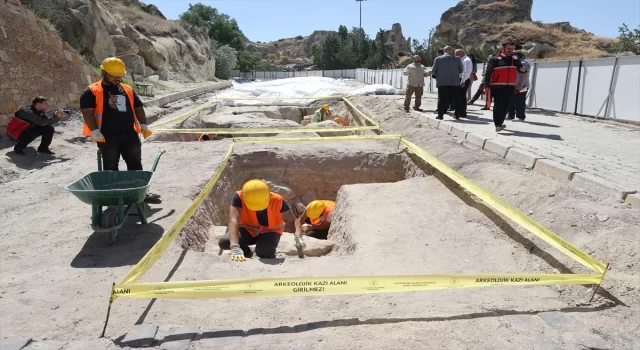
pixel 315 209
pixel 325 107
pixel 256 194
pixel 113 66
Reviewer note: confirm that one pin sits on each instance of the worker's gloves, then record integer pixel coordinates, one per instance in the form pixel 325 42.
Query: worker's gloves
pixel 96 136
pixel 306 227
pixel 236 253
pixel 300 242
pixel 144 129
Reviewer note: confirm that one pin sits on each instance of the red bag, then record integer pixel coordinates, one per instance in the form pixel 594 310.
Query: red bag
pixel 16 127
pixel 475 77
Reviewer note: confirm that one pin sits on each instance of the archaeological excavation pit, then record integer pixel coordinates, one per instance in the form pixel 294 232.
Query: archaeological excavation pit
pixel 301 173
pixel 260 117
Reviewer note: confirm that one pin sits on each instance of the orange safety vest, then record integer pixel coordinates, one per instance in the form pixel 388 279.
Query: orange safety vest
pixel 329 206
pixel 249 219
pixel 504 75
pixel 98 92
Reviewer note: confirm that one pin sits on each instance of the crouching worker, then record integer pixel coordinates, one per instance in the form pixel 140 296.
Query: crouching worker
pixel 257 216
pixel 317 218
pixel 30 122
pixel 321 114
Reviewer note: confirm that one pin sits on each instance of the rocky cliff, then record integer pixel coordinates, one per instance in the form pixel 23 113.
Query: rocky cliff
pixel 296 52
pixel 137 33
pixel 485 24
pixel 35 61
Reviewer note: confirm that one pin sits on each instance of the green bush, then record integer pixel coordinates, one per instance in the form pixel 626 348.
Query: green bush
pixel 226 59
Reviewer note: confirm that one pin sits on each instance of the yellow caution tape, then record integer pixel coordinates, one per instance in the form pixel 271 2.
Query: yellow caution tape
pixel 276 98
pixel 509 211
pixel 183 116
pixel 320 286
pixel 161 246
pixel 318 139
pixel 235 131
pixel 350 104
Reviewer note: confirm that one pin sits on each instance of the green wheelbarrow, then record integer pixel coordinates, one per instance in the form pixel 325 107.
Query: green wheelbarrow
pixel 119 191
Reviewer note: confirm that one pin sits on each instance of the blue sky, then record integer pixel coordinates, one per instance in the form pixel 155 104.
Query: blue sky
pixel 270 20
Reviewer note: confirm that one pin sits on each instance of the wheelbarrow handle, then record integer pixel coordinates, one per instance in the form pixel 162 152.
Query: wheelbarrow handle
pixel 155 162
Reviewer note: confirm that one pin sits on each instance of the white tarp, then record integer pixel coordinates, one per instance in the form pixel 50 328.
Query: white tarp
pixel 277 91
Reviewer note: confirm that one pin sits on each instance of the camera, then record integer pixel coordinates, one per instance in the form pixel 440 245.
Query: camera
pixel 67 111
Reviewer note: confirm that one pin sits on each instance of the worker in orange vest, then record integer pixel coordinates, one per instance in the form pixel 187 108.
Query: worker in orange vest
pixel 501 77
pixel 257 216
pixel 316 218
pixel 114 117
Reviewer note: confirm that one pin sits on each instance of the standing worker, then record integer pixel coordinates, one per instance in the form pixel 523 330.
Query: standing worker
pixel 316 218
pixel 501 77
pixel 257 216
pixel 518 106
pixel 448 72
pixel 321 114
pixel 114 117
pixel 467 65
pixel 416 73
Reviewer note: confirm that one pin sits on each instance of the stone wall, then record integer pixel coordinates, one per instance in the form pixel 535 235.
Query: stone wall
pixel 35 61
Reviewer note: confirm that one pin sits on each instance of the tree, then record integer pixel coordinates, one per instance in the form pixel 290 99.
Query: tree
pixel 226 59
pixel 247 61
pixel 330 48
pixel 220 26
pixel 343 33
pixel 629 39
pixel 384 48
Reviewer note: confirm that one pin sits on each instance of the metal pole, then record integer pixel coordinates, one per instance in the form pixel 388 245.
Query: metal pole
pixel 612 87
pixel 575 110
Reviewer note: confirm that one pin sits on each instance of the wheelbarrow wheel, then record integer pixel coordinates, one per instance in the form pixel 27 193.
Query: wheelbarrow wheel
pixel 109 219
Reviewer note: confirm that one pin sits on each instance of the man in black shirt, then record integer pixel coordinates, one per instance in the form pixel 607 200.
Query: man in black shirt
pixel 114 115
pixel 39 125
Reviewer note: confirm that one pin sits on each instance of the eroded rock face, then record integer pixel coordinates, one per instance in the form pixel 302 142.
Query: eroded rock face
pixel 458 21
pixel 100 32
pixel 397 40
pixel 124 45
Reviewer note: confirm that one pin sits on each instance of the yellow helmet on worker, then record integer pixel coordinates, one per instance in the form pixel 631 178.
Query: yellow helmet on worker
pixel 315 209
pixel 325 107
pixel 256 194
pixel 113 66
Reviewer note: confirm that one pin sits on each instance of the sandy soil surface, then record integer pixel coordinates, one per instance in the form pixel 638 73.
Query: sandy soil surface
pixel 55 277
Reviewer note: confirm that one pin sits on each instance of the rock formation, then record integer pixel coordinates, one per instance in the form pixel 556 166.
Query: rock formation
pixel 399 45
pixel 485 23
pixel 467 12
pixel 35 61
pixel 142 37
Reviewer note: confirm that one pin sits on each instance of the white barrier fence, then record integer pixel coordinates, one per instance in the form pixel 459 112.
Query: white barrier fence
pixel 605 87
pixel 342 73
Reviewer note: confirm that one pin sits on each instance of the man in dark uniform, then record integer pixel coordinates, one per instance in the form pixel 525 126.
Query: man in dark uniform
pixel 501 76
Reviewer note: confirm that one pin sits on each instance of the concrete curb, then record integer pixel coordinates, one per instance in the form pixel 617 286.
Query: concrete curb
pixel 540 164
pixel 523 157
pixel 497 147
pixel 601 186
pixel 555 169
pixel 476 140
pixel 166 99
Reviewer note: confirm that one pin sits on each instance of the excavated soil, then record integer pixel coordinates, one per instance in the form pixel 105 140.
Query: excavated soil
pixel 394 216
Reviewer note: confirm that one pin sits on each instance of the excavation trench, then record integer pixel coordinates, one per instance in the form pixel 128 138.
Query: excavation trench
pixel 253 117
pixel 300 175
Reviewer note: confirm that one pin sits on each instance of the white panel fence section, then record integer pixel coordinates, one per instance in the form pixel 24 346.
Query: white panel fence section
pixel 605 87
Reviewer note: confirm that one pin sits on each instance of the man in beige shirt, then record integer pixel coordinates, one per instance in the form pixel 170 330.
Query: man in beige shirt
pixel 416 73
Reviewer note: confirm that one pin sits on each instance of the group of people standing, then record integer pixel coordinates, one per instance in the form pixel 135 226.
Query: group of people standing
pixel 506 81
